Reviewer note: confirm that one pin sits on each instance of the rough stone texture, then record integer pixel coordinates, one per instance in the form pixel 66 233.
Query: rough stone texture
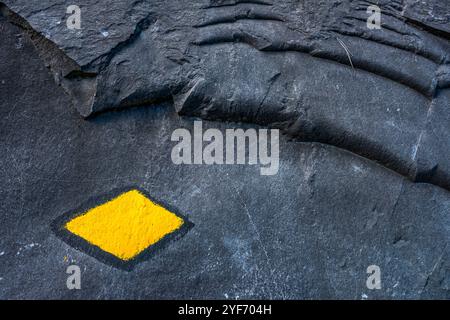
pixel 308 232
pixel 281 55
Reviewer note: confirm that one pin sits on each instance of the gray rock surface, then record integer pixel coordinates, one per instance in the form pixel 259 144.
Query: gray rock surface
pixel 281 56
pixel 308 232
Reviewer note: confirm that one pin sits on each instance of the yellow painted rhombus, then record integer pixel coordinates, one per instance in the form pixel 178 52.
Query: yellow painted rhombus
pixel 126 225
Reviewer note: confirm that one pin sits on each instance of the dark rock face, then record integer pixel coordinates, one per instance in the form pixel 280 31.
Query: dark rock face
pixel 268 63
pixel 310 68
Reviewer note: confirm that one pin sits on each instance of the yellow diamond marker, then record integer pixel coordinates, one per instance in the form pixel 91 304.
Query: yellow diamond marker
pixel 126 225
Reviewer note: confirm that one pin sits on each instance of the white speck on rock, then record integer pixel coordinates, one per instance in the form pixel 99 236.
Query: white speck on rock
pixel 357 168
pixel 27 247
pixel 105 33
